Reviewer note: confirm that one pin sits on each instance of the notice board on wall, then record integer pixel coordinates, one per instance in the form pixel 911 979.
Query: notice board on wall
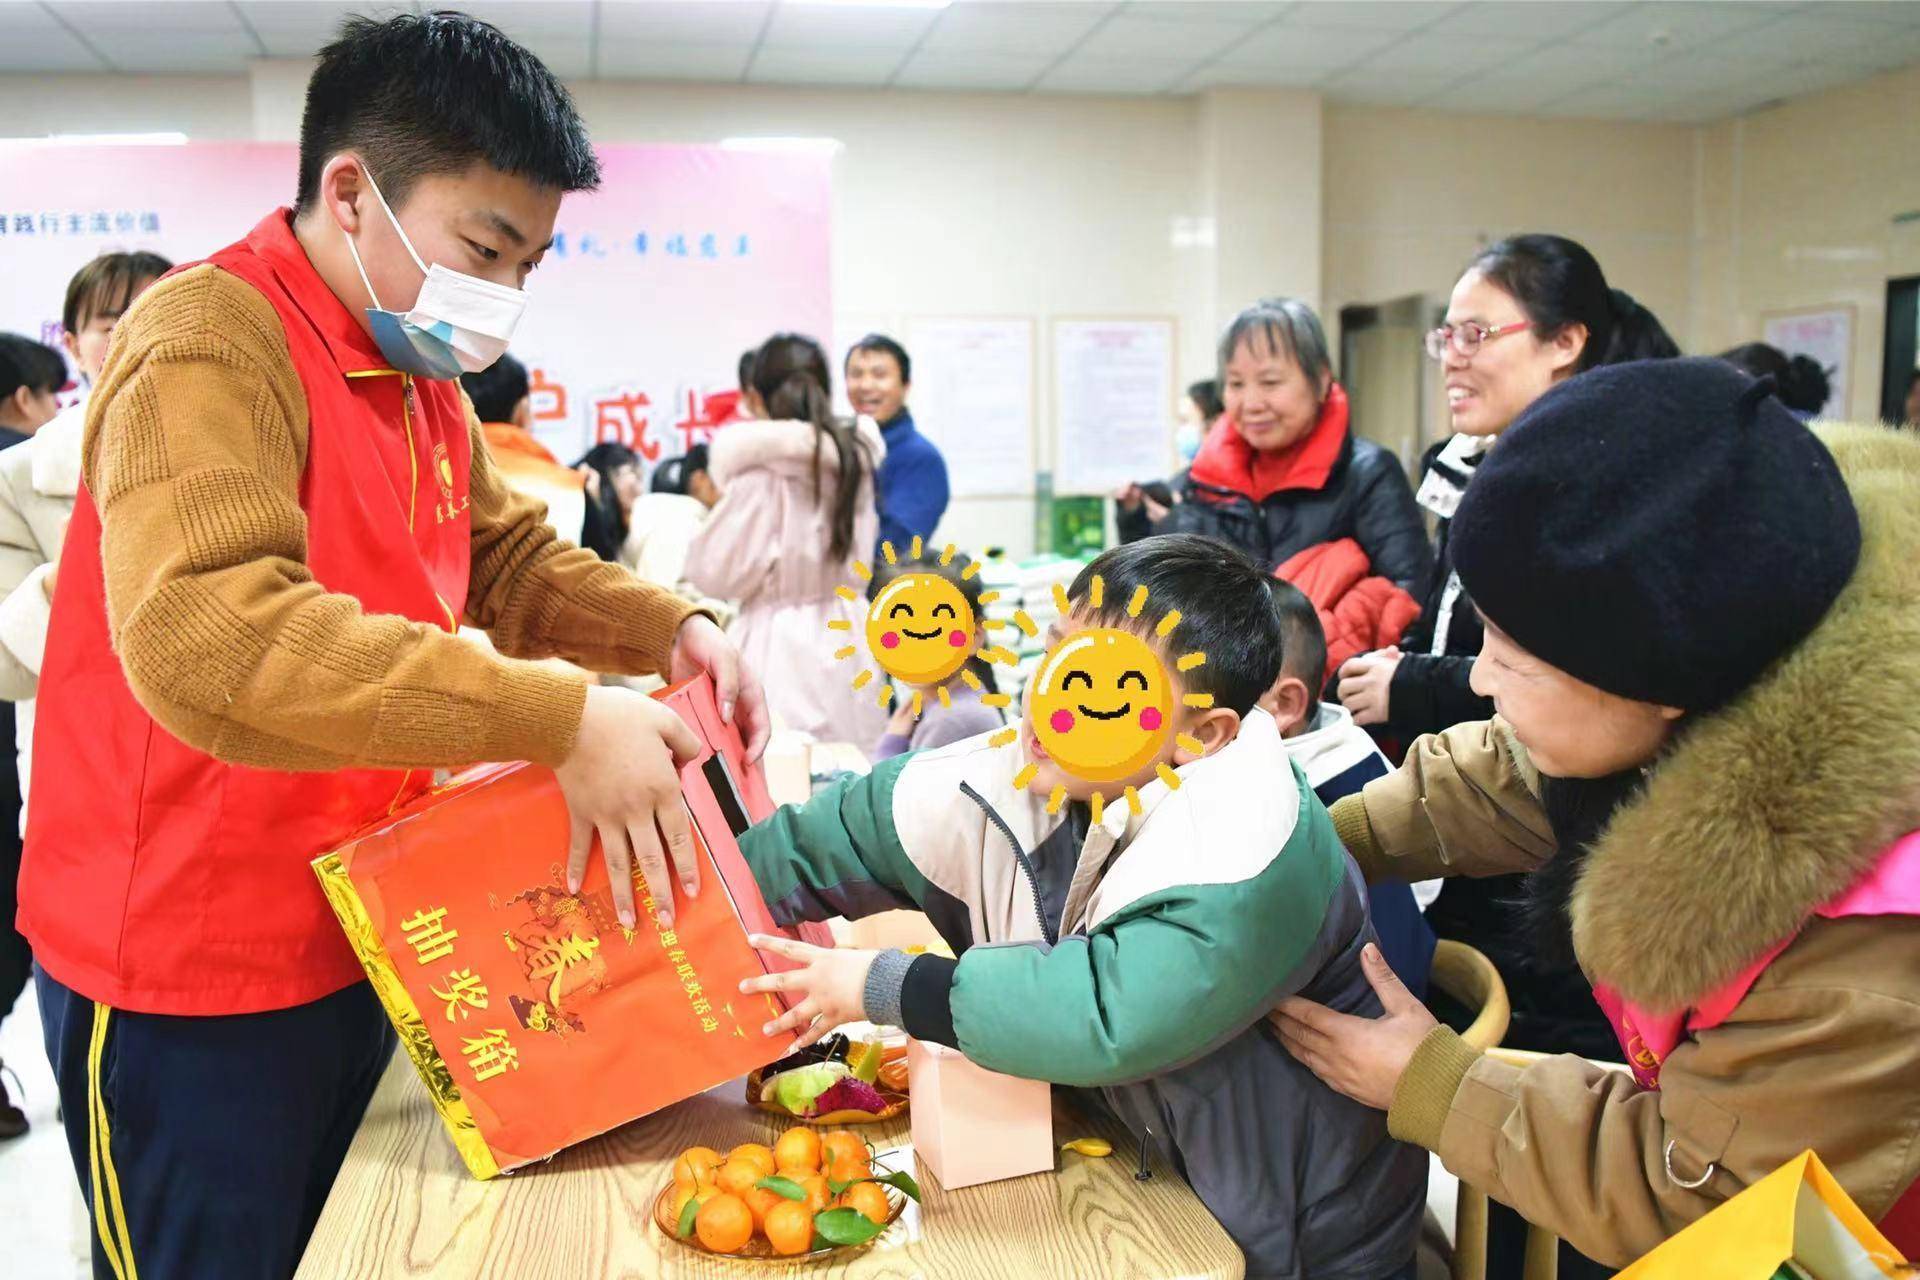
pixel 973 388
pixel 1113 402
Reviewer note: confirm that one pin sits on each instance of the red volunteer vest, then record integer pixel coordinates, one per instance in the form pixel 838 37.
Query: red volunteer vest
pixel 158 879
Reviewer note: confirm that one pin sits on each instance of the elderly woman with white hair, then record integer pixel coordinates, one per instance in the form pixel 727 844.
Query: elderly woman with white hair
pixel 1281 471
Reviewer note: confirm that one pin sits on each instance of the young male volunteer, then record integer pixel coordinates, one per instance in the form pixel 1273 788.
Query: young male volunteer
pixel 287 510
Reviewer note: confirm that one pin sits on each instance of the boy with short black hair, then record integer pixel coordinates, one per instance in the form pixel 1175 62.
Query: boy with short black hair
pixel 287 509
pixel 1126 935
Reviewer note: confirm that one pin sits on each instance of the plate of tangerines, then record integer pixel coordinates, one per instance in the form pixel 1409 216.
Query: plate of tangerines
pixel 811 1196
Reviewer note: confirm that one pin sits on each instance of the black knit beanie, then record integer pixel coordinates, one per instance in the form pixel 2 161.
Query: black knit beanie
pixel 1662 530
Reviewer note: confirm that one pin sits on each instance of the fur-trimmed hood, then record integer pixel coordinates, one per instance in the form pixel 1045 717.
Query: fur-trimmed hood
pixel 783 445
pixel 1775 804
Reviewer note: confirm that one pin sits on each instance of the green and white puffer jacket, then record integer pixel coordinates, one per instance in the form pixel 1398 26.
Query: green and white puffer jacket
pixel 1139 959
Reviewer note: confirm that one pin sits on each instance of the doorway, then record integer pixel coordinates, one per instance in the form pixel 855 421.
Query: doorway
pixel 1902 351
pixel 1389 380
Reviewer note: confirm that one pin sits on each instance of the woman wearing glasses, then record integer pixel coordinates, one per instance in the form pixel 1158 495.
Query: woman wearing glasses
pixel 1528 313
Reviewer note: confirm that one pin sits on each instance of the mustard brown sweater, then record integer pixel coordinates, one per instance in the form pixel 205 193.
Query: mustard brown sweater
pixel 196 440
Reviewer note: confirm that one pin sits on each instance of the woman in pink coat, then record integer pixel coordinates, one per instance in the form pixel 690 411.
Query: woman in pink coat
pixel 796 508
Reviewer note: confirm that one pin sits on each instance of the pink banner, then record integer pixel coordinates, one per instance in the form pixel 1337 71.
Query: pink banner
pixel 685 257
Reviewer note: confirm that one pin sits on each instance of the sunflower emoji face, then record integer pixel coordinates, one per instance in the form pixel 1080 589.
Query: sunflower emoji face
pixel 920 628
pixel 1101 704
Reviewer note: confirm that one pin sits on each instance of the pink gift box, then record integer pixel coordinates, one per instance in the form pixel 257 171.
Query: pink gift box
pixel 971 1125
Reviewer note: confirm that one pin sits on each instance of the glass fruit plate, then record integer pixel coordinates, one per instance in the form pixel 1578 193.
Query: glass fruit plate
pixel 758 1249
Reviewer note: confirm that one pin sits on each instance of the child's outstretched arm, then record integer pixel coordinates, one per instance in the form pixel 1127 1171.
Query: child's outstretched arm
pixel 1162 982
pixel 838 854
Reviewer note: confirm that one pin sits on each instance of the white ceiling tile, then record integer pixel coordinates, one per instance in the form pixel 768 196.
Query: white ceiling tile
pixel 1124 38
pixel 1371 15
pixel 93 16
pixel 299 28
pixel 525 20
pixel 654 60
pixel 1538 20
pixel 683 22
pixel 1798 38
pixel 32 40
pixel 1899 13
pixel 1403 90
pixel 1130 76
pixel 830 28
pixel 1219 76
pixel 1030 29
pixel 1676 26
pixel 1893 47
pixel 983 71
pixel 1506 93
pixel 1697 74
pixel 1296 47
pixel 1435 54
pixel 1611 102
pixel 176 52
pixel 1582 62
pixel 821 66
pixel 1246 13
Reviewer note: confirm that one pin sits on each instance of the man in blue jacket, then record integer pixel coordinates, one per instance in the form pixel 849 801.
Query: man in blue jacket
pixel 913 477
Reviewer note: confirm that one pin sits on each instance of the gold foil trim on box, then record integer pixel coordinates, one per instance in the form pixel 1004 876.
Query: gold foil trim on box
pixel 405 1015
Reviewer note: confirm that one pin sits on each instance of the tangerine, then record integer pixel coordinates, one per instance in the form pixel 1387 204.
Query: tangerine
pixel 753 1153
pixel 736 1177
pixel 684 1193
pixel 760 1202
pixel 696 1166
pixel 724 1224
pixel 819 1194
pixel 790 1228
pixel 871 1201
pixel 850 1168
pixel 798 1150
pixel 841 1142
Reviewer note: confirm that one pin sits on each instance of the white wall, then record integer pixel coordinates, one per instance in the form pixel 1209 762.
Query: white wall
pixel 970 205
pixel 1797 213
pixel 214 108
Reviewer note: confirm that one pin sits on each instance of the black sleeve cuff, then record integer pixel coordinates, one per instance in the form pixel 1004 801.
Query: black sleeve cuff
pixel 926 1006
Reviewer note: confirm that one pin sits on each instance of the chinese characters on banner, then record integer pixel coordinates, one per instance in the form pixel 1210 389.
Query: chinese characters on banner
pixel 638 313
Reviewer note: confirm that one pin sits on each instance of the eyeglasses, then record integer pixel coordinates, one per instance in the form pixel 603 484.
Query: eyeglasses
pixel 1468 338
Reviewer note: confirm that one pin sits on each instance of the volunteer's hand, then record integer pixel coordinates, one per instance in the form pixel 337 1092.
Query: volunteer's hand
pixel 1129 496
pixel 623 783
pixel 1366 684
pixel 46 583
pixel 1155 512
pixel 824 994
pixel 702 646
pixel 1363 1058
pixel 590 478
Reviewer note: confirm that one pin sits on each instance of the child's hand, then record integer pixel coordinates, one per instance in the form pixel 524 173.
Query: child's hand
pixel 902 720
pixel 1363 1058
pixel 830 989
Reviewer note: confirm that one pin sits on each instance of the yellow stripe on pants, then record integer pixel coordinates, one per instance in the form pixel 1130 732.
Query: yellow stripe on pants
pixel 100 1159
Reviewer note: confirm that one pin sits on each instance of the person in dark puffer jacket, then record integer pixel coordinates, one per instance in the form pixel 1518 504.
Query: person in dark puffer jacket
pixel 1280 471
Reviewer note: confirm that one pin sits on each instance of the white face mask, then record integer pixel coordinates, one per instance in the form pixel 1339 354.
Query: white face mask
pixel 458 324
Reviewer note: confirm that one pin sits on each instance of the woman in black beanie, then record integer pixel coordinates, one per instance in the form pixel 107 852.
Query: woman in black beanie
pixel 1703 638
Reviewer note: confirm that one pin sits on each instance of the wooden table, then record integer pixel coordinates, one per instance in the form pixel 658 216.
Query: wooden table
pixel 404 1206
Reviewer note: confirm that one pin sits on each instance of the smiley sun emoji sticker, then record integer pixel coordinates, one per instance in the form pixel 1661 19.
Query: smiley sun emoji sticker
pixel 1101 704
pixel 922 627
